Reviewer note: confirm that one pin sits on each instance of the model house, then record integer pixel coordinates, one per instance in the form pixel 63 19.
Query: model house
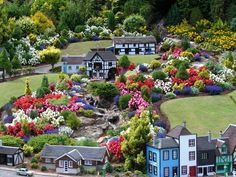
pixel 187 150
pixel 163 158
pixel 11 156
pixel 70 159
pixel 205 156
pixel 99 64
pixel 134 45
pixel 71 64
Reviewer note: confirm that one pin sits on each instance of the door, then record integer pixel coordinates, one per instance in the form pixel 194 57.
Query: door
pixel 65 166
pixel 205 171
pixel 3 159
pixel 175 171
pixel 192 171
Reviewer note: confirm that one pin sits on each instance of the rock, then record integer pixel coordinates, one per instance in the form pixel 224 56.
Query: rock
pixel 100 121
pixel 104 126
pixel 114 117
pixel 89 132
pixel 87 121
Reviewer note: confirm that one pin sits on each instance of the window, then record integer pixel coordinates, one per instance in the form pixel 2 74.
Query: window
pixel 191 155
pixel 61 163
pixel 184 170
pixel 155 170
pixel 191 143
pixel 154 157
pixel 134 45
pixel 88 162
pixel 123 45
pixel 77 67
pixel 211 169
pixel 165 155
pixel 47 160
pixel 10 160
pixel 150 155
pixel 69 67
pixel 110 63
pixel 90 65
pixel 224 149
pixel 70 164
pixel 101 74
pixel 174 154
pixel 220 167
pixel 166 172
pixel 204 156
pixel 199 170
pixel 150 168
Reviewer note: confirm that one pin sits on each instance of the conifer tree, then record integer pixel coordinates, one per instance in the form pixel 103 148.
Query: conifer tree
pixel 27 87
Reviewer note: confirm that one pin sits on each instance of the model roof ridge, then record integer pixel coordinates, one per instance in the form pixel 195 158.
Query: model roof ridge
pixel 102 147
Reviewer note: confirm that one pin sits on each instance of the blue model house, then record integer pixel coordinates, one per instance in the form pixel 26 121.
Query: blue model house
pixel 162 158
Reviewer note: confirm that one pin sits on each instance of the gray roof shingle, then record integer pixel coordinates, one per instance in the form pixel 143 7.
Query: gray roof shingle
pixel 73 60
pixel 230 133
pixel 87 153
pixel 134 39
pixel 203 144
pixel 105 55
pixel 163 143
pixel 8 149
pixel 178 131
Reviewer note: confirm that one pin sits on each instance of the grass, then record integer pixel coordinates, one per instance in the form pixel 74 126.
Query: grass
pixel 17 87
pixel 139 59
pixel 202 114
pixel 81 48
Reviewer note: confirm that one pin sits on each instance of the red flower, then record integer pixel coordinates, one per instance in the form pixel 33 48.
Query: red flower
pixel 131 67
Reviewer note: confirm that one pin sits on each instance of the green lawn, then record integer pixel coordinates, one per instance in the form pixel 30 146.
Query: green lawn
pixel 202 114
pixel 139 59
pixel 17 87
pixel 81 48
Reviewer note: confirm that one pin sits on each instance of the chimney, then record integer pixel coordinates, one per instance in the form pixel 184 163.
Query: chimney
pixel 209 136
pixel 0 142
pixel 184 124
pixel 154 139
pixel 221 134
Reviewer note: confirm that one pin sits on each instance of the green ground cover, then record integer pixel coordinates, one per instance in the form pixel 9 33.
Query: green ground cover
pixel 17 87
pixel 81 48
pixel 202 114
pixel 139 59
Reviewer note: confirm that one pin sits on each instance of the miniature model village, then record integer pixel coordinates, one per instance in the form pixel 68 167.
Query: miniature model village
pixel 126 90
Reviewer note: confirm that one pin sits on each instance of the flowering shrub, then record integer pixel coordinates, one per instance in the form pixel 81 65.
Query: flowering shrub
pixel 213 89
pixel 114 147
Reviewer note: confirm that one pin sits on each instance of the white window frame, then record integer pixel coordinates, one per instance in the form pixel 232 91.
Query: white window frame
pixel 61 163
pixel 70 164
pixel 184 170
pixel 191 155
pixel 155 170
pixel 88 162
pixel 150 168
pixel 166 172
pixel 166 155
pixel 47 160
pixel 191 142
pixel 174 154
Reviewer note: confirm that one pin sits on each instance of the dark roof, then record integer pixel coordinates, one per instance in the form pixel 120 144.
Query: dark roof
pixel 8 150
pixel 87 153
pixel 230 132
pixel 203 144
pixel 105 55
pixel 73 60
pixel 177 131
pixel 218 142
pixel 163 143
pixel 134 39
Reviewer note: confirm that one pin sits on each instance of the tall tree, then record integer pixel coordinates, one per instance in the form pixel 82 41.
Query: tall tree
pixel 217 9
pixel 50 55
pixel 5 64
pixel 111 21
pixel 5 26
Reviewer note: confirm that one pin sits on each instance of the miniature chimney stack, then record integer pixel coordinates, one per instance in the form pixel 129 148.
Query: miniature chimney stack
pixel 209 136
pixel 154 139
pixel 184 124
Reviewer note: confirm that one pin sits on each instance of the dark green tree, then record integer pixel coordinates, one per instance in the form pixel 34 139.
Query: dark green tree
pixel 111 21
pixel 5 26
pixel 124 61
pixel 15 63
pixel 5 64
pixel 195 15
pixel 173 16
pixel 217 9
pixel 45 82
pixel 134 23
pixel 182 73
pixel 230 12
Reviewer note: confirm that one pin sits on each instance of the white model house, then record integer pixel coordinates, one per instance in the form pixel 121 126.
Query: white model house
pixel 135 45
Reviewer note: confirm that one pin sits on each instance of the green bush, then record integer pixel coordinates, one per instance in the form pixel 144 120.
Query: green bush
pixel 196 15
pixel 54 139
pixel 182 73
pixel 155 64
pixel 75 77
pixel 73 122
pixel 185 43
pixel 134 23
pixel 87 113
pixel 204 74
pixel 159 75
pixel 62 85
pixel 59 102
pixel 117 131
pixel 122 78
pixel 108 167
pixel 66 114
pixel 28 150
pixel 124 62
pixel 199 84
pixel 34 165
pixel 124 100
pixel 157 90
pixel 170 95
pixel 80 28
pixel 34 160
pixel 33 114
pixel 45 82
pixel 43 169
pixel 140 77
pixel 103 90
pixel 8 140
pixel 40 93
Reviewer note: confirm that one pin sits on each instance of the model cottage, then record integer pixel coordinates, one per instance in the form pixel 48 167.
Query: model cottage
pixel 98 64
pixel 11 156
pixel 135 45
pixel 70 159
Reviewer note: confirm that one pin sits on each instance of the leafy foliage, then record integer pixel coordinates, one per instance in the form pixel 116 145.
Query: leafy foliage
pixel 50 55
pixel 134 23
